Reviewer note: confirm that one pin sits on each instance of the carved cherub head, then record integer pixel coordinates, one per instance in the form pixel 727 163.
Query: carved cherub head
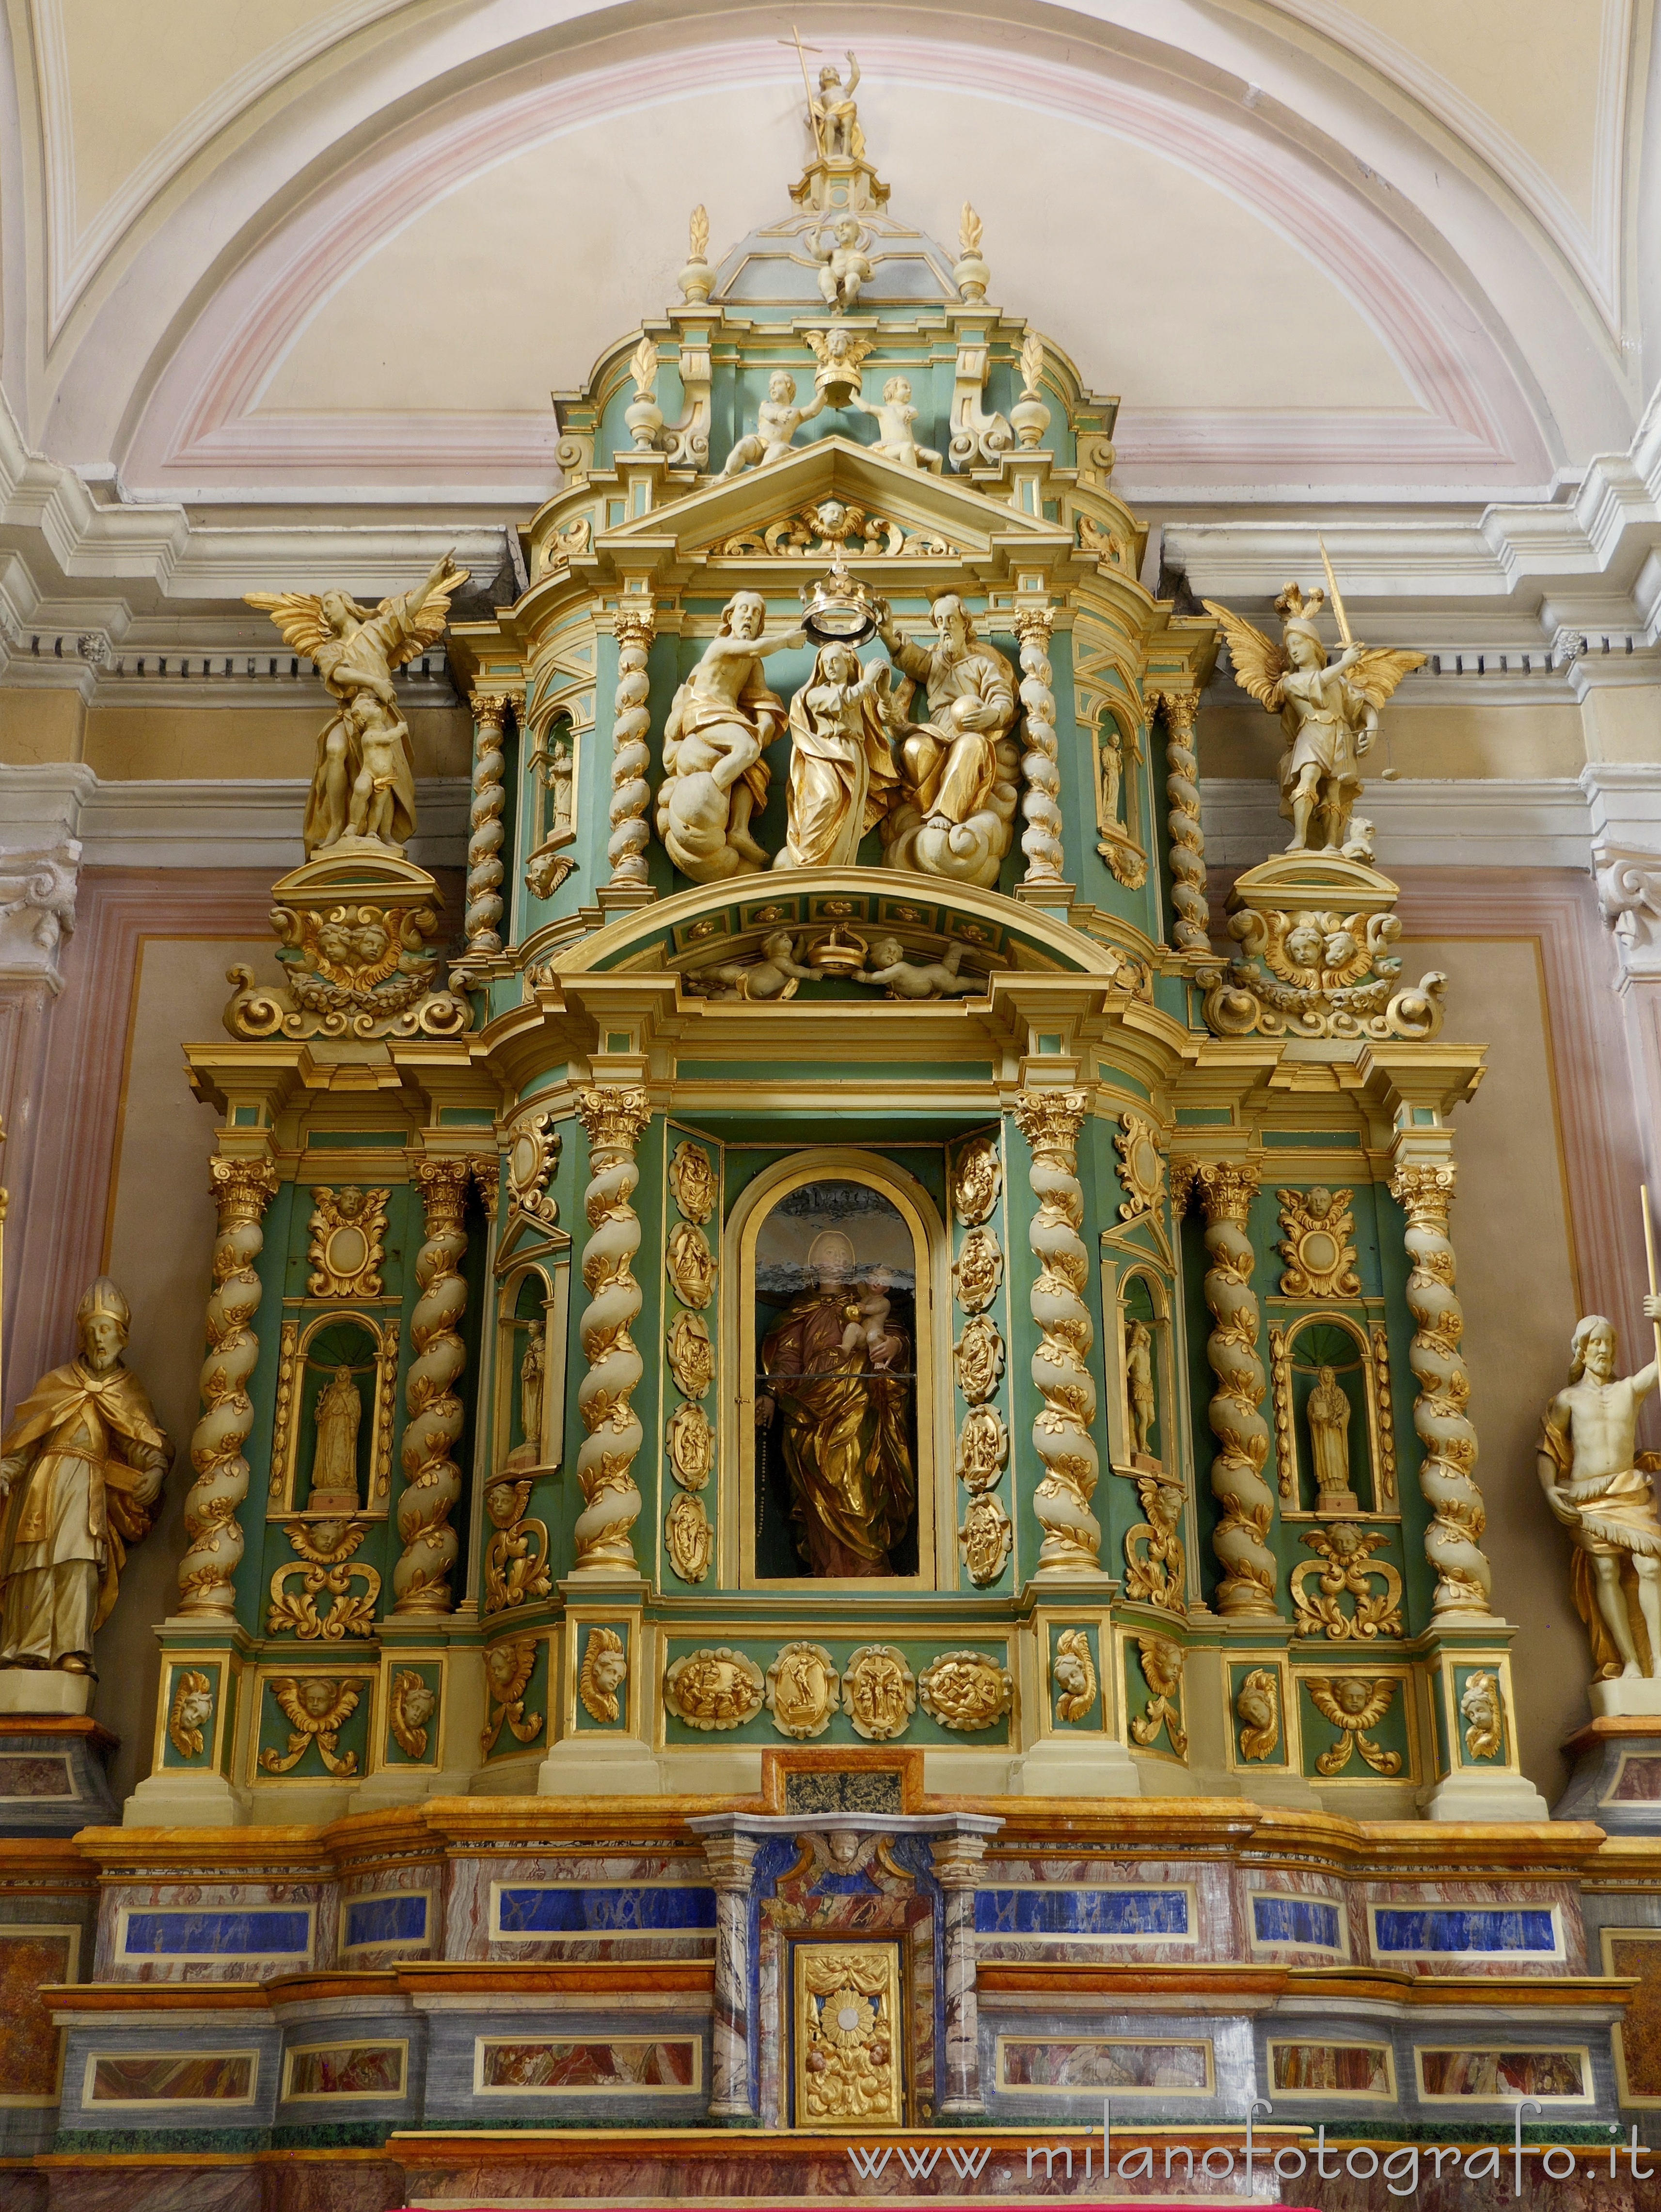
pixel 349 1203
pixel 1352 1693
pixel 887 952
pixel 1304 944
pixel 420 1704
pixel 780 387
pixel 604 1670
pixel 846 229
pixel 897 388
pixel 317 1695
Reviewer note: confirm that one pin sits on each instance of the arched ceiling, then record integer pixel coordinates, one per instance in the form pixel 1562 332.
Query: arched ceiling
pixel 343 248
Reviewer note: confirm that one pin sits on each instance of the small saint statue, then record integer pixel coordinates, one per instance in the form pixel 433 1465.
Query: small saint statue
pixel 81 1470
pixel 1139 1375
pixel 1588 1470
pixel 532 1371
pixel 334 1462
pixel 1328 1412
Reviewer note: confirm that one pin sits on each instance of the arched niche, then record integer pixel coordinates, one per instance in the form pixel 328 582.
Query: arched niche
pixel 1330 1419
pixel 1145 1397
pixel 336 1393
pixel 551 771
pixel 887 1388
pixel 527 1431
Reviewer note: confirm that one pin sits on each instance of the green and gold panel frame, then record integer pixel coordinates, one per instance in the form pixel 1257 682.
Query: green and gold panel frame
pixel 1262 1734
pixel 1151 1670
pixel 187 1739
pixel 1085 1697
pixel 593 1638
pixel 412 1729
pixel 521 1681
pixel 1473 1712
pixel 309 1727
pixel 737 1684
pixel 1345 1708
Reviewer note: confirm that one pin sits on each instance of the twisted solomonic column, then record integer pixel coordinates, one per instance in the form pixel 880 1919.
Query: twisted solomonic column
pixel 1191 925
pixel 486 835
pixel 432 1480
pixel 630 755
pixel 1246 1504
pixel 1453 1540
pixel 1041 839
pixel 1050 1121
pixel 614 1118
pixel 242 1189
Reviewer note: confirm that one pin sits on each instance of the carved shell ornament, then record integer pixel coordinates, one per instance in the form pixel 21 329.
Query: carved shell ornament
pixel 977 1271
pixel 531 1159
pixel 979 1180
pixel 710 1689
pixel 985 1537
pixel 879 1693
pixel 692 1265
pixel 692 1183
pixel 802 1688
pixel 979 1354
pixel 965 1690
pixel 692 1355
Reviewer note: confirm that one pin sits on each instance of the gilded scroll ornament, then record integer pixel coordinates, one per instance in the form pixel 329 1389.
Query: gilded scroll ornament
pixel 985 1537
pixel 965 1690
pixel 604 1671
pixel 977 1182
pixel 1480 1708
pixel 1347 1568
pixel 848 2023
pixel 802 1689
pixel 879 1693
pixel 691 1446
pixel 824 527
pixel 1354 1703
pixel 982 1448
pixel 410 1710
pixel 688 1537
pixel 691 1264
pixel 190 1712
pixel 692 1355
pixel 1163 1662
pixel 325 1566
pixel 977 1271
pixel 1316 1229
pixel 1050 1121
pixel 348 1230
pixel 509 1664
pixel 1153 1550
pixel 1257 1709
pixel 1073 1675
pixel 692 1183
pixel 1141 1171
pixel 532 1156
pixel 979 1357
pixel 316 1707
pixel 712 1689
pixel 516 1558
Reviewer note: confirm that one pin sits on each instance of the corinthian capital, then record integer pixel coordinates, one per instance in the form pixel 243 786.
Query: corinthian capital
pixel 242 1188
pixel 613 1116
pixel 444 1187
pixel 1050 1121
pixel 1424 1190
pixel 1226 1187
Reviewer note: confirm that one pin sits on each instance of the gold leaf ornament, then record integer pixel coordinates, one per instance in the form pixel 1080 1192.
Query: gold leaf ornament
pixel 688 1537
pixel 978 1182
pixel 692 1183
pixel 977 1271
pixel 1073 1675
pixel 316 1707
pixel 1257 1709
pixel 692 1265
pixel 692 1355
pixel 347 1242
pixel 985 1537
pixel 604 1671
pixel 879 1693
pixel 802 1689
pixel 714 1688
pixel 191 1711
pixel 979 1356
pixel 691 1446
pixel 965 1690
pixel 410 1707
pixel 532 1156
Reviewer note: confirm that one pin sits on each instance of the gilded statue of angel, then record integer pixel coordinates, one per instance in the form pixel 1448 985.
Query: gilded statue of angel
pixel 1328 714
pixel 363 786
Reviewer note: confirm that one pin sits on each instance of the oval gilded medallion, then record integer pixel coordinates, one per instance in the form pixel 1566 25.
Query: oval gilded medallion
pixel 985 1537
pixel 982 1447
pixel 978 1182
pixel 965 1690
pixel 692 1355
pixel 692 1183
pixel 878 1691
pixel 689 1538
pixel 802 1684
pixel 692 1265
pixel 691 1446
pixel 977 1272
pixel 717 1688
pixel 979 1355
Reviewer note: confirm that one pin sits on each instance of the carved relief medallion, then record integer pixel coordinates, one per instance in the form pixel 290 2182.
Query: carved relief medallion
pixel 691 1443
pixel 692 1355
pixel 801 1690
pixel 985 1536
pixel 982 1447
pixel 878 1691
pixel 1480 1706
pixel 979 1355
pixel 965 1690
pixel 347 1242
pixel 692 1183
pixel 1073 1675
pixel 715 1688
pixel 604 1671
pixel 977 1271
pixel 531 1159
pixel 692 1265
pixel 979 1179
pixel 689 1538
pixel 410 1711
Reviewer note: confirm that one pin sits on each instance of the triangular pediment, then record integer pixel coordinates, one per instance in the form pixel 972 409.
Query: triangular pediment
pixel 764 513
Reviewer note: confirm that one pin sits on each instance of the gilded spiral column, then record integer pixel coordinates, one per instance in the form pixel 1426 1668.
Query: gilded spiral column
pixel 1453 1540
pixel 1050 1121
pixel 1246 1502
pixel 614 1118
pixel 242 1189
pixel 432 1480
pixel 1191 926
pixel 1041 839
pixel 630 755
pixel 485 833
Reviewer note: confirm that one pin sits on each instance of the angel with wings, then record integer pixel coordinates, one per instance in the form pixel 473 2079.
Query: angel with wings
pixel 1329 714
pixel 364 784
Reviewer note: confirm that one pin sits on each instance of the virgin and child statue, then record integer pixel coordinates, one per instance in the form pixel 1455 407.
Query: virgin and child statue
pixel 836 1392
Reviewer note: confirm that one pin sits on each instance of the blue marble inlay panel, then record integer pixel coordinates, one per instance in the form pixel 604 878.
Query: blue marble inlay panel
pixel 1306 1920
pixel 376 1920
pixel 1124 1914
pixel 541 1909
pixel 1444 1929
pixel 275 1934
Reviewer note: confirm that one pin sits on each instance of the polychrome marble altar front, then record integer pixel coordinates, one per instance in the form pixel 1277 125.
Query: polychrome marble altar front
pixel 834 1491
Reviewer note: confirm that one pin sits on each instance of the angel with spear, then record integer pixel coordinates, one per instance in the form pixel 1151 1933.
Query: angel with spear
pixel 1328 713
pixel 364 784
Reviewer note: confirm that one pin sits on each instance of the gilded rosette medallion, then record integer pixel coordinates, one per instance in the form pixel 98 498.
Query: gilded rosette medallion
pixel 692 1183
pixel 979 1179
pixel 691 1446
pixel 802 1684
pixel 982 1447
pixel 985 1537
pixel 692 1265
pixel 977 1271
pixel 690 1539
pixel 878 1691
pixel 965 1690
pixel 692 1355
pixel 715 1688
pixel 979 1355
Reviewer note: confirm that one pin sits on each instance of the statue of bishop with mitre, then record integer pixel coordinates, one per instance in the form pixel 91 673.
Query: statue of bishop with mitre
pixel 81 1470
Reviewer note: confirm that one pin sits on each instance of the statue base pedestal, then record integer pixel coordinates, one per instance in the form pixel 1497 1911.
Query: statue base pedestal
pixel 44 1690
pixel 1076 1766
pixel 52 1778
pixel 1615 1773
pixel 176 1798
pixel 1478 1795
pixel 600 1765
pixel 1627 1694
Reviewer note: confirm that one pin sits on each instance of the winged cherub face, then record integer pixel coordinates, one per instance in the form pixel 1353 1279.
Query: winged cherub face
pixel 1352 1693
pixel 610 1670
pixel 1068 1673
pixel 317 1695
pixel 1303 945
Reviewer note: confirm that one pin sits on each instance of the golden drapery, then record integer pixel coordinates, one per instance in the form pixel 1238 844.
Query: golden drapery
pixel 843 1431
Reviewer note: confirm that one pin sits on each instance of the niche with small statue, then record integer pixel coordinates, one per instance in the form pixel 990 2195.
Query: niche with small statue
pixel 1333 1436
pixel 334 1417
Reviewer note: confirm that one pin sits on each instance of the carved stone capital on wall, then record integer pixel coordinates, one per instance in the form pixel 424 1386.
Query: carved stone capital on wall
pixel 1629 895
pixel 37 909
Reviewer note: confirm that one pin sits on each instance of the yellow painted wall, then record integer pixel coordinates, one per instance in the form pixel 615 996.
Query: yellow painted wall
pixel 1456 742
pixel 144 743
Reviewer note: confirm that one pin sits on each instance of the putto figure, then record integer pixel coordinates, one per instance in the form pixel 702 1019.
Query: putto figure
pixel 1588 1470
pixel 1329 714
pixel 81 1470
pixel 777 421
